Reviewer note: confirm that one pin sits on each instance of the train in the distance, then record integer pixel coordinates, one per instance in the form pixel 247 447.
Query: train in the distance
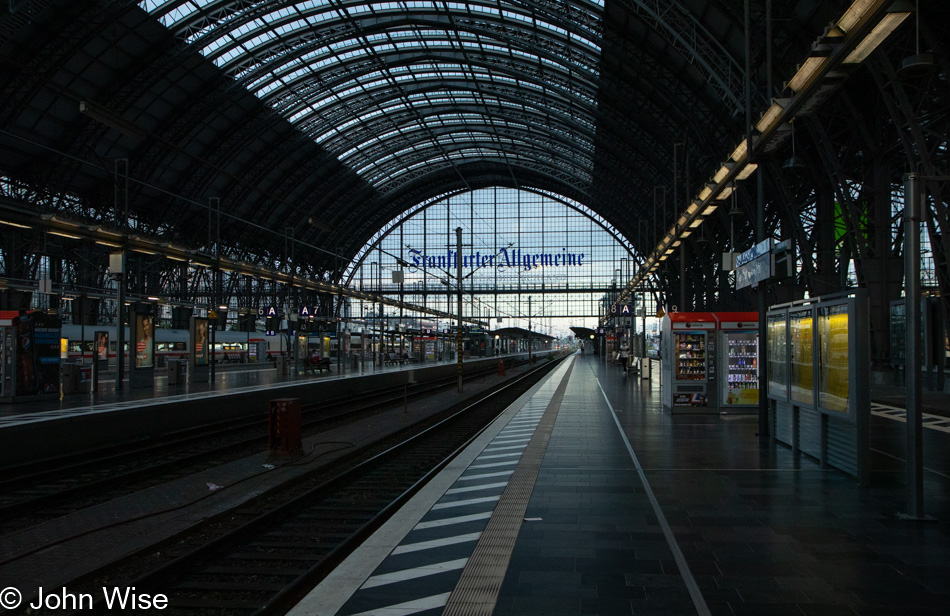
pixel 229 346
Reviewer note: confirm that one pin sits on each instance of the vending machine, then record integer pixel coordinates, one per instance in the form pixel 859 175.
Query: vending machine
pixel 689 362
pixel 739 361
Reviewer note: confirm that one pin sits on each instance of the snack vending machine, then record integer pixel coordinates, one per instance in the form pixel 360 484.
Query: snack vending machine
pixel 739 344
pixel 689 362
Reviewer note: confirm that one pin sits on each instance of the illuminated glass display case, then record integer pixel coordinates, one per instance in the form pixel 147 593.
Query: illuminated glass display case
pixel 778 355
pixel 801 349
pixel 833 358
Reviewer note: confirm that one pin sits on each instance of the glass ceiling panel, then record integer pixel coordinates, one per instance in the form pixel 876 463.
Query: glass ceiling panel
pixel 337 69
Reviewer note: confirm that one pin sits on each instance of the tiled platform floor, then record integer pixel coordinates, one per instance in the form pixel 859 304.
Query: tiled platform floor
pixel 737 525
pixel 762 531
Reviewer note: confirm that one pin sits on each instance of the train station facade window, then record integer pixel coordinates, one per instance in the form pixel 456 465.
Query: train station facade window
pixel 524 254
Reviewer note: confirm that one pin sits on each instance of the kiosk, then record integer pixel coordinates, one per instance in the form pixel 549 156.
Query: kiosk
pixel 688 352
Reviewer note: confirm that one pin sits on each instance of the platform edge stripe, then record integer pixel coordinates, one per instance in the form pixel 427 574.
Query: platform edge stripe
pixel 409 607
pixel 407 548
pixel 485 475
pixel 465 502
pixel 702 609
pixel 493 464
pixel 462 519
pixel 476 593
pixel 485 486
pixel 414 573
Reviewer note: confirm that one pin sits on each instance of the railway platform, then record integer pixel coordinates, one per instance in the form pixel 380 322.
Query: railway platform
pixel 41 428
pixel 53 552
pixel 586 497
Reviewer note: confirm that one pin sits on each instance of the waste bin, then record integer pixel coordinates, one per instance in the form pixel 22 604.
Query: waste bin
pixel 281 364
pixel 283 436
pixel 176 371
pixel 70 377
pixel 84 384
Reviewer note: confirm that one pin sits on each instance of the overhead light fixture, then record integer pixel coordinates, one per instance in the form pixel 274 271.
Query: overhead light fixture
pixel 725 193
pixel 705 193
pixel 747 171
pixel 677 243
pixel 919 65
pixel 681 222
pixel 710 209
pixel 877 35
pixel 723 173
pixel 109 244
pixel 14 224
pixel 668 252
pixel 152 298
pixel 663 258
pixel 740 152
pixel 855 14
pixel 144 251
pixel 698 221
pixel 807 73
pixel 104 231
pixel 693 208
pixel 770 118
pixel 174 258
pixel 62 234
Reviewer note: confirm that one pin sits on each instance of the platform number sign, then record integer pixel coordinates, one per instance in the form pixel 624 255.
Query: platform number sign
pixel 272 318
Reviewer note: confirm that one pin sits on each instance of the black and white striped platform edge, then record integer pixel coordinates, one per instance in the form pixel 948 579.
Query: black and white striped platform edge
pixel 501 444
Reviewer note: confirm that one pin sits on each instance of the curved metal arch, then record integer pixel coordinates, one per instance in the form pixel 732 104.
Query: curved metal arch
pixel 457 51
pixel 417 95
pixel 685 32
pixel 487 66
pixel 360 22
pixel 379 151
pixel 370 96
pixel 387 229
pixel 432 156
pixel 503 111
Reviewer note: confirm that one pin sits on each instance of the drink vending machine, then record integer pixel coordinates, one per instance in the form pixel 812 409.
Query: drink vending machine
pixel 688 350
pixel 739 342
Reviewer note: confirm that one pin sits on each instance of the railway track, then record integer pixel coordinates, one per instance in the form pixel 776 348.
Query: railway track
pixel 261 557
pixel 36 493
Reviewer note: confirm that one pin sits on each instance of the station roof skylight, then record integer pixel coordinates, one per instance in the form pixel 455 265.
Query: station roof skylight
pixel 388 87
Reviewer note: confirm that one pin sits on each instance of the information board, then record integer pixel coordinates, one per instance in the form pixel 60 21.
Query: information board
pixel 801 347
pixel 834 361
pixel 778 355
pixel 37 354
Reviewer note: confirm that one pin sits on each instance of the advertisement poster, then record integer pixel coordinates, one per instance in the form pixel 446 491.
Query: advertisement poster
pixel 201 342
pixel 145 343
pixel 37 354
pixel 102 346
pixel 833 351
pixel 801 327
pixel 689 399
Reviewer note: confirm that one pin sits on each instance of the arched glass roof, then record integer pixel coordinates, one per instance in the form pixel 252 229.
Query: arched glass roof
pixel 387 94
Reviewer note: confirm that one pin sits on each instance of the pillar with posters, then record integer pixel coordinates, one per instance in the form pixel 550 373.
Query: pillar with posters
pixel 142 337
pixel 200 345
